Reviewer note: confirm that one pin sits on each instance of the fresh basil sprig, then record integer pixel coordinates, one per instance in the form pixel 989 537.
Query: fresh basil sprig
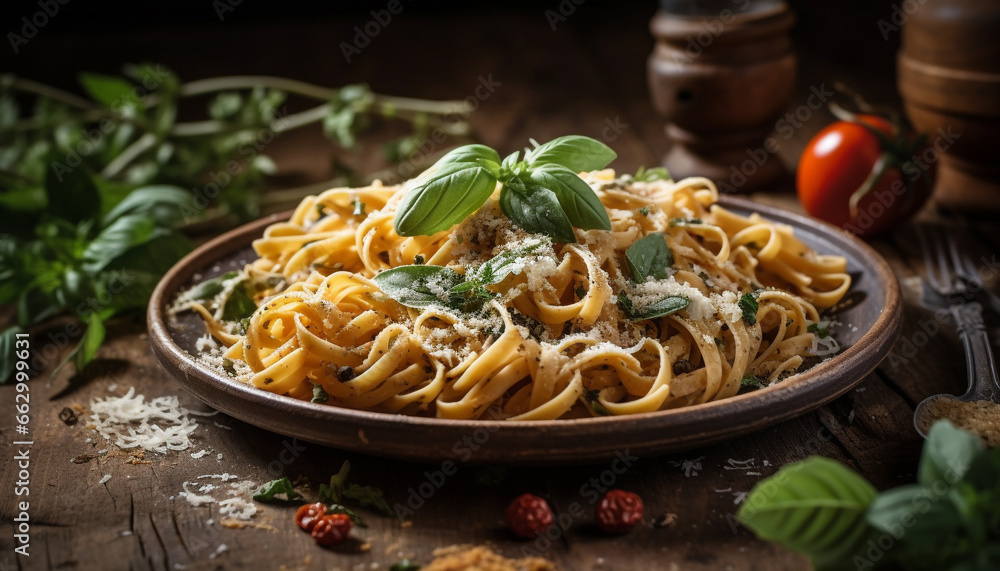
pixel 541 193
pixel 649 256
pixel 949 519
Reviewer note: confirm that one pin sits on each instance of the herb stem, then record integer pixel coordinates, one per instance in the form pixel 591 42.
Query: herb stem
pixel 203 86
pixel 29 86
pixel 132 152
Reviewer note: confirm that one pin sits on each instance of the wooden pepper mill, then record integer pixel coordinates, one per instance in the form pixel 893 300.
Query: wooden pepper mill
pixel 721 77
pixel 949 77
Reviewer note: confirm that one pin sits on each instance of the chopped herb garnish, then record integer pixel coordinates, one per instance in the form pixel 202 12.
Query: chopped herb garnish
pixel 821 329
pixel 359 207
pixel 319 395
pixel 339 509
pixel 418 259
pixel 704 277
pixel 580 292
pixel 748 304
pixel 369 497
pixel 644 211
pixel 229 367
pixel 752 383
pixel 269 491
pixel 592 400
pixel 720 341
pixel 332 493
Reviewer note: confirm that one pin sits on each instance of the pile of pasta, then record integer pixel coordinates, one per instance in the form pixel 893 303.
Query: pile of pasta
pixel 554 342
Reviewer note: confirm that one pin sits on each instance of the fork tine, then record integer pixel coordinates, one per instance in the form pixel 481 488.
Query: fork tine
pixel 963 278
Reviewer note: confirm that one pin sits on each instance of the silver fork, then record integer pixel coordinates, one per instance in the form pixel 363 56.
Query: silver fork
pixel 966 269
pixel 944 287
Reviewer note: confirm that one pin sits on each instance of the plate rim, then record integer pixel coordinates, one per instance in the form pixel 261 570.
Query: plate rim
pixel 818 382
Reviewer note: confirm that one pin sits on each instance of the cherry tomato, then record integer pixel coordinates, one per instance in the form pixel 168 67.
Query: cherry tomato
pixel 331 529
pixel 308 514
pixel 883 175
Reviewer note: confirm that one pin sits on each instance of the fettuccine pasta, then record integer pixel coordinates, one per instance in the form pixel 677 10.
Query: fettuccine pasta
pixel 553 340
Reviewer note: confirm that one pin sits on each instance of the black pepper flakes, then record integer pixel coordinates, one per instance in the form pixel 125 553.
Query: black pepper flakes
pixel 345 374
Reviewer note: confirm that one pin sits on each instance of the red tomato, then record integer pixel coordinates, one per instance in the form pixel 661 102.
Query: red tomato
pixel 840 158
pixel 331 529
pixel 308 514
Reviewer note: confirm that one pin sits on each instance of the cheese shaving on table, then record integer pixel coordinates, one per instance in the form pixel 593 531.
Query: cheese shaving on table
pixel 129 421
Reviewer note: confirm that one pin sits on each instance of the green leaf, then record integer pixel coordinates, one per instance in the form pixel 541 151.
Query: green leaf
pixel 238 305
pixel 537 211
pixel 650 175
pixel 208 289
pixel 110 91
pixel 817 507
pixel 445 199
pixel 984 472
pixel 418 286
pixel 92 339
pixel 8 347
pixel 369 497
pixel 947 454
pixel 748 305
pixel 574 152
pixel 405 565
pixel 155 256
pixel 268 491
pixel 752 382
pixel 580 203
pixel 475 154
pixel 319 394
pixel 821 329
pixel 915 515
pixel 660 308
pixel 122 235
pixel 71 194
pixel 649 256
pixel 225 105
pixel 592 400
pixel 497 268
pixel 164 204
pixel 685 222
pixel 333 492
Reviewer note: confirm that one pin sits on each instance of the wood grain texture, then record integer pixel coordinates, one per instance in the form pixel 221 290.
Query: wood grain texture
pixel 570 80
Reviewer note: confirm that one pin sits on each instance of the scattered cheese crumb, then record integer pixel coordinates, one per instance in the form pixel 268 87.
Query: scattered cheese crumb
pixel 130 422
pixel 104 479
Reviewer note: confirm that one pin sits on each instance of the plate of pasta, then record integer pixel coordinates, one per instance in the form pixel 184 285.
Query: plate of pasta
pixel 536 309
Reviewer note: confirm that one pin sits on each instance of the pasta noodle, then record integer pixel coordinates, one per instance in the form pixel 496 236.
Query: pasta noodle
pixel 552 341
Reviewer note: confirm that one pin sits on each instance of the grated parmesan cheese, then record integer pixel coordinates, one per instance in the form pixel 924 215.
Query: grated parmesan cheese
pixel 130 422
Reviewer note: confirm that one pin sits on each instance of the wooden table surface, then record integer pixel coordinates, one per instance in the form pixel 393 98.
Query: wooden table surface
pixel 581 78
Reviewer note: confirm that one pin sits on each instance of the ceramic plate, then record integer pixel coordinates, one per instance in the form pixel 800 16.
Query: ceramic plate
pixel 868 328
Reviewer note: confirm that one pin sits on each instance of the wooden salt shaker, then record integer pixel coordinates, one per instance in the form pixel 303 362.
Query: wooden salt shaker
pixel 721 77
pixel 949 78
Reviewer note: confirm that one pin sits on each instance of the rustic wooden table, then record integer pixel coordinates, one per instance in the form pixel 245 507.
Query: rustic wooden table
pixel 585 78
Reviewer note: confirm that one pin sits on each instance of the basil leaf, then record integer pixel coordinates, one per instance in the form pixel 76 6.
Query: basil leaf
pixel 649 256
pixel 268 491
pixel 8 346
pixel 817 507
pixel 72 194
pixel 369 497
pixel 208 289
pixel 683 222
pixel 415 286
pixel 916 515
pixel 510 161
pixel 947 454
pixel 537 211
pixel 445 199
pixel 474 154
pixel 574 152
pixel 92 339
pixel 238 305
pixel 122 235
pixel 165 205
pixel 821 329
pixel 752 382
pixel 660 308
pixel 110 91
pixel 580 203
pixel 748 304
pixel 155 256
pixel 650 175
pixel 984 472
